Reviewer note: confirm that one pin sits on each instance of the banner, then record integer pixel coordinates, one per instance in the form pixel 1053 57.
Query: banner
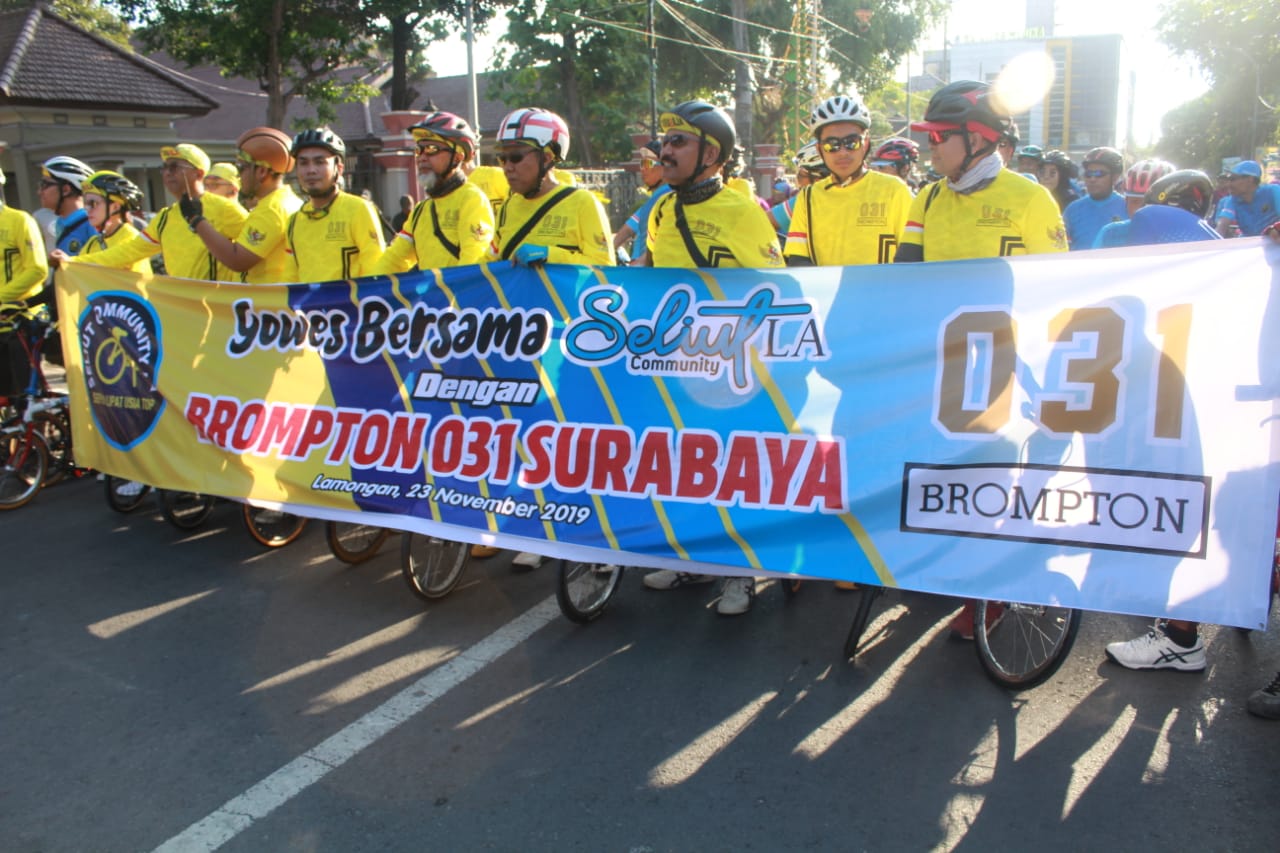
pixel 1094 430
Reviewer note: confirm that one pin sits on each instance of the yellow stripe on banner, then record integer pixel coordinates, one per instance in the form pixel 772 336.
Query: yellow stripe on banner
pixel 869 549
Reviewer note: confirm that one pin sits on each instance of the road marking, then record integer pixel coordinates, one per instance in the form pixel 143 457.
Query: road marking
pixel 240 813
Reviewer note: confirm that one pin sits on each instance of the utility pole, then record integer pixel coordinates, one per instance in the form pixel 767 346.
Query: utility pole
pixel 744 85
pixel 653 75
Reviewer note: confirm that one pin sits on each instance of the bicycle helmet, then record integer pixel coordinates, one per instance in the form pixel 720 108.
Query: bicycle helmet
pixel 897 151
pixel 319 137
pixel 1188 189
pixel 68 170
pixel 115 187
pixel 705 120
pixel 1143 174
pixel 448 129
pixel 540 128
pixel 266 146
pixel 733 166
pixel 1066 169
pixel 1012 136
pixel 1031 152
pixel 809 158
pixel 839 108
pixel 1108 158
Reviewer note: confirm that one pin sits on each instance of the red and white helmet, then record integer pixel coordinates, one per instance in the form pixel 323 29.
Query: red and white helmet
pixel 540 128
pixel 1143 174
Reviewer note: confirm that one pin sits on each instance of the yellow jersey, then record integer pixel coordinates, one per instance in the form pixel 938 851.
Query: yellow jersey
pixel 569 221
pixel 452 230
pixel 859 223
pixel 263 234
pixel 726 230
pixel 1010 216
pixel 124 234
pixel 342 240
pixel 493 183
pixel 25 264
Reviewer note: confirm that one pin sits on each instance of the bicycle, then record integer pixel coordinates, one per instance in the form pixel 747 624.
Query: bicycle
pixel 354 542
pixel 431 566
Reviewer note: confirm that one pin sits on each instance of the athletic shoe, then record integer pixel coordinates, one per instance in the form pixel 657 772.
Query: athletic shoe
pixel 131 489
pixel 1266 702
pixel 483 552
pixel 668 579
pixel 736 597
pixel 526 560
pixel 1154 650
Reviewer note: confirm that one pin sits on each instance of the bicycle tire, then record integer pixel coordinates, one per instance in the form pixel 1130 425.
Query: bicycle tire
pixel 354 542
pixel 185 510
pixel 583 590
pixel 432 567
pixel 272 528
pixel 1024 644
pixel 55 429
pixel 24 463
pixel 122 502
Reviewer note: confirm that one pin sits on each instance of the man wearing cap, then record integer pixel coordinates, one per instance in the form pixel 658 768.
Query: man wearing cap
pixel 185 254
pixel 258 251
pixel 1252 206
pixel 22 248
pixel 224 180
pixel 979 209
pixel 635 229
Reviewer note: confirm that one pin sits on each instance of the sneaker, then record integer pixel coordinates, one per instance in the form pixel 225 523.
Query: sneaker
pixel 1154 650
pixel 130 489
pixel 736 597
pixel 483 552
pixel 526 560
pixel 668 579
pixel 1265 703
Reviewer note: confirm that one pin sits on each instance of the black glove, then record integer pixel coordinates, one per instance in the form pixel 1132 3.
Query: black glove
pixel 192 210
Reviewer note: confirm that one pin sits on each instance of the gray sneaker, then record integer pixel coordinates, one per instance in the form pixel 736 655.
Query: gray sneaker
pixel 736 597
pixel 668 579
pixel 1154 650
pixel 1265 703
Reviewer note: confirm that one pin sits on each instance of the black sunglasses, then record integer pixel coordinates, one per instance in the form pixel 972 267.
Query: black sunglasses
pixel 514 158
pixel 430 149
pixel 852 142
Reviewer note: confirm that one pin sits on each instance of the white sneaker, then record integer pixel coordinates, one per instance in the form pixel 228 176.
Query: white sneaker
pixel 131 489
pixel 1154 650
pixel 668 579
pixel 736 597
pixel 527 560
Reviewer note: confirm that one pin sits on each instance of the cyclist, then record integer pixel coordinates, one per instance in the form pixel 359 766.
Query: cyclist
pixel 809 169
pixel 453 225
pixel 1029 159
pixel 1007 146
pixel 185 255
pixel 335 234
pixel 1086 216
pixel 1252 206
pixel 1140 177
pixel 634 230
pixel 897 157
pixel 531 141
pixel 1173 212
pixel 952 219
pixel 258 251
pixel 701 224
pixel 111 199
pixel 224 180
pixel 62 191
pixel 856 215
pixel 1056 173
pixel 25 267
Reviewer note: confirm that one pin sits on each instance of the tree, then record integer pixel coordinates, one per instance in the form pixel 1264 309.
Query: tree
pixel 1234 42
pixel 85 14
pixel 293 48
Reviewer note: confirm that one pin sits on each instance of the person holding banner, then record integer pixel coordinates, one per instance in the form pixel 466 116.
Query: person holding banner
pixel 25 267
pixel 335 234
pixel 854 216
pixel 185 255
pixel 258 252
pixel 699 224
pixel 543 221
pixel 110 199
pixel 453 225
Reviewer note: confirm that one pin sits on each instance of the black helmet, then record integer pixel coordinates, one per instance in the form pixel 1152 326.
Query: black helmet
pixel 709 122
pixel 1011 137
pixel 1188 189
pixel 320 137
pixel 1108 158
pixel 1066 168
pixel 965 104
pixel 114 186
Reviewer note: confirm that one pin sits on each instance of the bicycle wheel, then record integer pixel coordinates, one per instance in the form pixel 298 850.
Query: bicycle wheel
pixel 272 528
pixel 354 543
pixel 1021 645
pixel 185 510
pixel 24 462
pixel 432 567
pixel 583 590
pixel 56 432
pixel 124 495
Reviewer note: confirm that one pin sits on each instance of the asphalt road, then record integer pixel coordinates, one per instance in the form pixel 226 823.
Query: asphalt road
pixel 162 689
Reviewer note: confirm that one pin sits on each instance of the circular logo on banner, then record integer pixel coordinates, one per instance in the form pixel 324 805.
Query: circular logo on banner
pixel 120 350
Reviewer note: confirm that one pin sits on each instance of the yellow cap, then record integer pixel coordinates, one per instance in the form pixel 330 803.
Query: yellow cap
pixel 187 152
pixel 225 171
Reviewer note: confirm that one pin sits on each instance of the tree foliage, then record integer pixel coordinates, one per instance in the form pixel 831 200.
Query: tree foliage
pixel 85 14
pixel 1234 42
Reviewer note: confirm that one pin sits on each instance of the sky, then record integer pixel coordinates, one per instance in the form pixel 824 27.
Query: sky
pixel 1163 81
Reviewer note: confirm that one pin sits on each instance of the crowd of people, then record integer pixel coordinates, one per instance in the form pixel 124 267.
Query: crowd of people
pixel 984 195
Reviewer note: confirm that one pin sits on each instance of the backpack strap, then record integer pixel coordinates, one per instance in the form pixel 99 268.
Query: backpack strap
pixel 532 221
pixel 682 225
pixel 449 245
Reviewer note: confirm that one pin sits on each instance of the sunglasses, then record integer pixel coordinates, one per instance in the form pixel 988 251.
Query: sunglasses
pixel 676 140
pixel 45 184
pixel 852 142
pixel 513 158
pixel 1096 173
pixel 937 137
pixel 430 149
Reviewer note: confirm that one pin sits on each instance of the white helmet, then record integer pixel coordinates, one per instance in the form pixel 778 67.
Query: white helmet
pixel 540 128
pixel 839 108
pixel 67 169
pixel 808 156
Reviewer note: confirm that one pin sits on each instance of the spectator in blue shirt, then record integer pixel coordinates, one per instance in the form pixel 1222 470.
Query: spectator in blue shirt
pixel 1086 216
pixel 1252 206
pixel 61 192
pixel 1174 211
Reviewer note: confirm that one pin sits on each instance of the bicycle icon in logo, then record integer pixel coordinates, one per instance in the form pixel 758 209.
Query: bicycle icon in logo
pixel 111 360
